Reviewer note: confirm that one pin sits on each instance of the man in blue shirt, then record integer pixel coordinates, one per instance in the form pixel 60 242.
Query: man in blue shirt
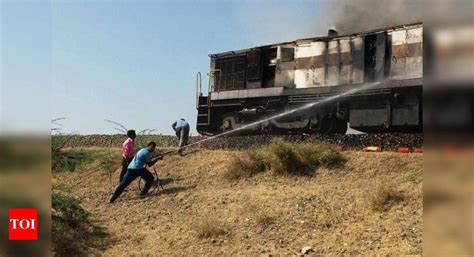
pixel 181 127
pixel 136 169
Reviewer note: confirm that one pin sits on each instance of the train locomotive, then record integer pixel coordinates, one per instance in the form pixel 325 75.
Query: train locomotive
pixel 252 84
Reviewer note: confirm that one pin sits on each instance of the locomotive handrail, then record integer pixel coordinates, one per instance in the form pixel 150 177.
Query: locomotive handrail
pixel 198 88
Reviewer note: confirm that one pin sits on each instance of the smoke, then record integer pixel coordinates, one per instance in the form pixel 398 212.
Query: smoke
pixel 268 22
pixel 351 16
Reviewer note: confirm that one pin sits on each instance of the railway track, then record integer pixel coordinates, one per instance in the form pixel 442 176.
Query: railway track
pixel 388 141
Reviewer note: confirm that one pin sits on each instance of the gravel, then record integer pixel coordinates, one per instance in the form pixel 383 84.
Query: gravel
pixel 388 141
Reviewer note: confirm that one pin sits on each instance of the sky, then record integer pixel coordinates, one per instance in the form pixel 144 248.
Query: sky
pixel 133 62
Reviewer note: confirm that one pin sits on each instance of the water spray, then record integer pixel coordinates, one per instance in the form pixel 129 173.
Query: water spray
pixel 283 114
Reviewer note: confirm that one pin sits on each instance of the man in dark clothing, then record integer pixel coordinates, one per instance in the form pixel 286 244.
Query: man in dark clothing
pixel 128 151
pixel 181 127
pixel 136 169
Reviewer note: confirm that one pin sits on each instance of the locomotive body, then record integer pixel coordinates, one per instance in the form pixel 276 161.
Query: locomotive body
pixel 253 84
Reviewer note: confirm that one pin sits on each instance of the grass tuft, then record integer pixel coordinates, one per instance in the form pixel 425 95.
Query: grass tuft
pixel 284 158
pixel 207 227
pixel 264 219
pixel 383 196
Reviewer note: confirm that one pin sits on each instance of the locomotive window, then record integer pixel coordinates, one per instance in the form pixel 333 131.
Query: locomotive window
pixel 287 54
pixel 231 74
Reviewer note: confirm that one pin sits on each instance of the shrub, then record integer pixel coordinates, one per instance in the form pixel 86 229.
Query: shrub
pixel 309 154
pixel 72 230
pixel 332 159
pixel 67 160
pixel 383 196
pixel 284 158
pixel 67 210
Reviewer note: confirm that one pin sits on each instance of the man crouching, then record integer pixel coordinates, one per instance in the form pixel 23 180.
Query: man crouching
pixel 136 169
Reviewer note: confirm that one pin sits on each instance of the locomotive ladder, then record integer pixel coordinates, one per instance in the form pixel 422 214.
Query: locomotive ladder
pixel 203 111
pixel 202 104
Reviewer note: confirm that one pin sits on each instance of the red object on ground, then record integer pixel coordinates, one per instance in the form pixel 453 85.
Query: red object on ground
pixel 449 149
pixel 372 149
pixel 403 150
pixel 419 150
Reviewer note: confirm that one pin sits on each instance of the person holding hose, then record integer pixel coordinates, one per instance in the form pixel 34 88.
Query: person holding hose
pixel 136 169
pixel 128 151
pixel 181 128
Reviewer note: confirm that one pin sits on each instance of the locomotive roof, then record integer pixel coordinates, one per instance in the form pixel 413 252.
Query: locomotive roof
pixel 242 51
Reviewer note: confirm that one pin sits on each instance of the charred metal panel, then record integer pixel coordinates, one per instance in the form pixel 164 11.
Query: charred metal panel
pixel 374 57
pixel 345 61
pixel 253 70
pixel 407 53
pixel 398 65
pixel 311 65
pixel 253 65
pixel 407 115
pixel 319 64
pixel 357 68
pixel 319 61
pixel 286 53
pixel 249 93
pixel 380 56
pixel 303 63
pixel 285 75
pixel 414 48
pixel 269 58
pixel 285 67
pixel 254 84
pixel 369 117
pixel 332 73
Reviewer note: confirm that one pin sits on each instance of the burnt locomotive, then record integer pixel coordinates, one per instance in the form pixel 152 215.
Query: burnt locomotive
pixel 251 84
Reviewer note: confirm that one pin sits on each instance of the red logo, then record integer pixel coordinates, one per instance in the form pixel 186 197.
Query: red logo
pixel 23 224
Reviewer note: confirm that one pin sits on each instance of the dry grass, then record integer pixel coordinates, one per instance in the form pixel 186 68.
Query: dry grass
pixel 208 227
pixel 264 219
pixel 382 196
pixel 260 215
pixel 328 212
pixel 245 166
pixel 284 158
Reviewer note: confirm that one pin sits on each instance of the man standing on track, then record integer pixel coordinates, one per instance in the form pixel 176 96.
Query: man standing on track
pixel 181 127
pixel 136 169
pixel 128 151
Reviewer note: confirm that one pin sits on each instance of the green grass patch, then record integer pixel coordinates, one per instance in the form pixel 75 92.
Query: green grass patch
pixel 73 232
pixel 68 160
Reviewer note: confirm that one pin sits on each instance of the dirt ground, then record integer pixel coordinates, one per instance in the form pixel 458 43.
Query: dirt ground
pixel 201 212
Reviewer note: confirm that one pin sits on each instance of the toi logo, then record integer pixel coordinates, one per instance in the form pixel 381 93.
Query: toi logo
pixel 23 224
